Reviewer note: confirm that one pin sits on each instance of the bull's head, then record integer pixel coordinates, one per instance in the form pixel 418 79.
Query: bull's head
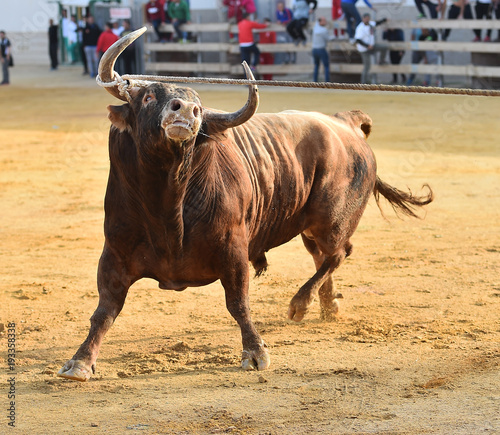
pixel 158 111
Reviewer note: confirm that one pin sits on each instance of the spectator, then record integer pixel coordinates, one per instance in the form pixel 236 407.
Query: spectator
pixel 496 9
pixel 283 14
pixel 365 40
pixel 167 36
pixel 351 14
pixel 128 56
pixel 428 57
pixel 73 39
pixel 319 42
pixel 81 49
pixel 64 31
pixel 178 11
pixel 5 57
pixel 248 47
pixel 395 35
pixel 236 9
pixel 91 34
pixel 434 8
pixel 337 14
pixel 249 8
pixel 53 44
pixel 106 39
pixel 117 29
pixel 458 9
pixel 301 11
pixel 268 37
pixel 283 17
pixel 483 9
pixel 155 15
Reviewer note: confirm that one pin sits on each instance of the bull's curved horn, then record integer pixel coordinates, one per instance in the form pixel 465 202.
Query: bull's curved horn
pixel 223 120
pixel 107 63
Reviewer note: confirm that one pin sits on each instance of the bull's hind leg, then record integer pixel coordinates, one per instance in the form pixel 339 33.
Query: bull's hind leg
pixel 113 284
pixel 320 284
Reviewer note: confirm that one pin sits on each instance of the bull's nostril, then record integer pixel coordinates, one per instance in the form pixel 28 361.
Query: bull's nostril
pixel 175 106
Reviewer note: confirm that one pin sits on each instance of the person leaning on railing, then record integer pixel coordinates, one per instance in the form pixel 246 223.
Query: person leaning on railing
pixel 248 47
pixel 365 43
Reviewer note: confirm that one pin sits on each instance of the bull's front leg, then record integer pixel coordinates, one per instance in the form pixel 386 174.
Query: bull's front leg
pixel 235 282
pixel 113 283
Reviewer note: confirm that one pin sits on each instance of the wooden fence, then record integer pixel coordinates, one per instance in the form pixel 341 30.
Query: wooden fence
pixel 188 58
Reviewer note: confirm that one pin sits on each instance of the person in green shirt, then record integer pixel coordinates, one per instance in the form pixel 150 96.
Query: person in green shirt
pixel 178 10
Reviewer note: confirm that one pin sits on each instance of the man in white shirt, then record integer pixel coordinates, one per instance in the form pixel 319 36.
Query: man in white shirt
pixel 365 43
pixel 73 39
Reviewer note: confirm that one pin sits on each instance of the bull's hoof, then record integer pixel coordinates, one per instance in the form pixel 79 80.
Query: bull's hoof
pixel 329 314
pixel 296 314
pixel 256 359
pixel 76 370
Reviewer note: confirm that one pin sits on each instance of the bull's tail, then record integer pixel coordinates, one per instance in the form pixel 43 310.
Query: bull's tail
pixel 404 202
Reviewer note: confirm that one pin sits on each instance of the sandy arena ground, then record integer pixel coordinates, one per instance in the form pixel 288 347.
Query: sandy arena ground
pixel 415 349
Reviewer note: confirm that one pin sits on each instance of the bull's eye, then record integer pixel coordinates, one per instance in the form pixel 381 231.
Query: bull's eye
pixel 148 98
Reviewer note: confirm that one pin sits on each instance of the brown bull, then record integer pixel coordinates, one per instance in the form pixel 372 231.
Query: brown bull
pixel 194 195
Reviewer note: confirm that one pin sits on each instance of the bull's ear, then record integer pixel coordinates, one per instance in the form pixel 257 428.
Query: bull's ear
pixel 119 116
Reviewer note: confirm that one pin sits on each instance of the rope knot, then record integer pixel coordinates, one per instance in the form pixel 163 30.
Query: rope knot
pixel 121 84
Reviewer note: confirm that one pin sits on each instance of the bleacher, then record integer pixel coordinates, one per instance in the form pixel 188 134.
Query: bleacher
pixel 218 56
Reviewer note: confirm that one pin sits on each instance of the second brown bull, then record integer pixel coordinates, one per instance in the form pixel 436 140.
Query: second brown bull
pixel 196 194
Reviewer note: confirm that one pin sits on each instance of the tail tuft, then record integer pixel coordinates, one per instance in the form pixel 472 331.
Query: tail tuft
pixel 404 202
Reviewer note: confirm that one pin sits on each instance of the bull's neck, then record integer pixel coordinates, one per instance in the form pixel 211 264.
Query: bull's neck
pixel 164 188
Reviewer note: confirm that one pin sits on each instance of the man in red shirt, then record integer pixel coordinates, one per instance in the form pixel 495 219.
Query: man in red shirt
pixel 155 15
pixel 106 39
pixel 247 43
pixel 267 58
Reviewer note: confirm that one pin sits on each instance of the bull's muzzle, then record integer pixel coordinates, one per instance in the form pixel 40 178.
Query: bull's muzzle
pixel 181 120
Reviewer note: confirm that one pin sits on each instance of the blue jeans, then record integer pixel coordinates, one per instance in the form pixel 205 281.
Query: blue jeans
pixel 177 26
pixel 351 14
pixel 92 59
pixel 156 25
pixel 321 55
pixel 246 54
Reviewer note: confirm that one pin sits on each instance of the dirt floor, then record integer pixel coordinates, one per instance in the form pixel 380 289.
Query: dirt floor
pixel 415 348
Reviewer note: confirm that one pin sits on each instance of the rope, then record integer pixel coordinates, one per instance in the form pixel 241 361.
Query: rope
pixel 314 85
pixel 121 84
pixel 118 82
